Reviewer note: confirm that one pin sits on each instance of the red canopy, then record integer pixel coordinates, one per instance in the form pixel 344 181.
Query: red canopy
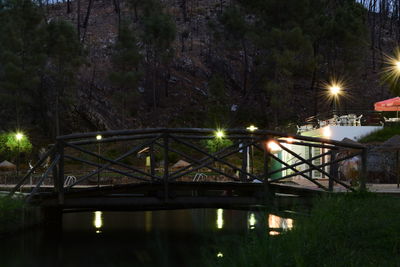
pixel 392 104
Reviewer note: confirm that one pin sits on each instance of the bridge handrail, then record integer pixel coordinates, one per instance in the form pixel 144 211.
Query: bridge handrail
pixel 244 140
pixel 37 165
pixel 207 131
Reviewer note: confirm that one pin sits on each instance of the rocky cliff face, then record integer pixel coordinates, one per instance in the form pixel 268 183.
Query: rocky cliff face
pixel 184 94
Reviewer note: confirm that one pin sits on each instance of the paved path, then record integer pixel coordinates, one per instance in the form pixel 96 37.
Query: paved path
pixel 377 188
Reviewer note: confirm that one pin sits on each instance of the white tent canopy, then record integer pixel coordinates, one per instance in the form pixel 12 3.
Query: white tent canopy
pixel 7 166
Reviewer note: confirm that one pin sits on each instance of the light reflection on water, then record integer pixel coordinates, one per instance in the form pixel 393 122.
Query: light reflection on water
pixel 220 218
pixel 98 221
pixel 276 222
pixel 252 221
pixel 147 238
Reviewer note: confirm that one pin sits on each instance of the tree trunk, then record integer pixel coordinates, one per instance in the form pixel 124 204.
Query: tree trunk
pixel 86 21
pixel 78 20
pixel 69 6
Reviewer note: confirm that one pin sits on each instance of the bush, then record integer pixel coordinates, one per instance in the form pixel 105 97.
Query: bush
pixel 381 135
pixel 11 212
pixel 347 230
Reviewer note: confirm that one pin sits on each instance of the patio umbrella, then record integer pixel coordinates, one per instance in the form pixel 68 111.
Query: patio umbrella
pixel 392 104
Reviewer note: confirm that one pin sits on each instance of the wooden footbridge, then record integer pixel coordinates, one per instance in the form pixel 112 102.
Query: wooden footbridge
pixel 134 169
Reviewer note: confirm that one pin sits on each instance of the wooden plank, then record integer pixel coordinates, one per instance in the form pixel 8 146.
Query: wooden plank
pixel 41 160
pixel 265 134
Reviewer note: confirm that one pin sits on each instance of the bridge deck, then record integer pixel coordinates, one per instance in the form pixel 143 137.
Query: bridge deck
pixel 180 195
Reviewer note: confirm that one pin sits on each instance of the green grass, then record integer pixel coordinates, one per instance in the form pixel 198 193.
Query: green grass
pixel 349 230
pixel 11 214
pixel 381 135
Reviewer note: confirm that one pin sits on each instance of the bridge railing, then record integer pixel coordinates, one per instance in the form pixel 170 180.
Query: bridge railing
pixel 239 156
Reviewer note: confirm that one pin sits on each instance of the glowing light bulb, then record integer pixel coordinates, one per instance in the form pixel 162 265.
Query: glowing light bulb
pixel 273 146
pixel 19 136
pixel 252 128
pixel 219 134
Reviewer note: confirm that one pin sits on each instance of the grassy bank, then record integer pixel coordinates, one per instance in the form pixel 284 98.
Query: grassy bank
pixel 381 135
pixel 11 214
pixel 350 230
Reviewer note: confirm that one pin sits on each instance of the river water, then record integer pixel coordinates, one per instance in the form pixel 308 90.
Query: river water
pixel 145 238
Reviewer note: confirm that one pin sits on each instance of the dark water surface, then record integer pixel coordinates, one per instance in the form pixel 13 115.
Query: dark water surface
pixel 145 238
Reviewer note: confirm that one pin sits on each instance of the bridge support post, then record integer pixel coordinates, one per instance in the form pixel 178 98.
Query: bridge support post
pixel 152 161
pixel 267 190
pixel 166 164
pixel 60 176
pixel 243 176
pixel 364 170
pixel 309 158
pixel 333 170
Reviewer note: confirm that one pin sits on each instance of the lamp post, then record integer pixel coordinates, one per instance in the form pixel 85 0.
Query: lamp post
pixel 274 148
pixel 219 134
pixel 19 137
pixel 335 90
pixel 251 128
pixel 98 138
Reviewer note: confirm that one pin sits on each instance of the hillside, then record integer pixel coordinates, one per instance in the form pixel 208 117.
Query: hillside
pixel 221 71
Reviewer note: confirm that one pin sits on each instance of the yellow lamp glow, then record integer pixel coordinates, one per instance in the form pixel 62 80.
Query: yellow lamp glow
pixel 19 136
pixel 398 66
pixel 335 89
pixel 391 71
pixel 273 146
pixel 289 140
pixel 219 134
pixel 326 132
pixel 99 137
pixel 252 128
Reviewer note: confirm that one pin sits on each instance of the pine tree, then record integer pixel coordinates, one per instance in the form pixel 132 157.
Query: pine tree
pixel 126 61
pixel 64 58
pixel 22 58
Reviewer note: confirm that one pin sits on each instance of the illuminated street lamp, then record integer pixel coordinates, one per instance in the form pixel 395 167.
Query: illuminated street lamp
pixel 251 128
pixel 98 138
pixel 335 89
pixel 19 137
pixel 397 64
pixel 273 147
pixel 219 134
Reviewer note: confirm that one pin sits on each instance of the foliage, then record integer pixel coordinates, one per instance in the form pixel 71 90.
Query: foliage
pixel 345 230
pixel 216 144
pixel 38 63
pixel 64 56
pixel 22 58
pixel 9 145
pixel 217 104
pixel 10 214
pixel 381 135
pixel 22 145
pixel 286 43
pixel 126 60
